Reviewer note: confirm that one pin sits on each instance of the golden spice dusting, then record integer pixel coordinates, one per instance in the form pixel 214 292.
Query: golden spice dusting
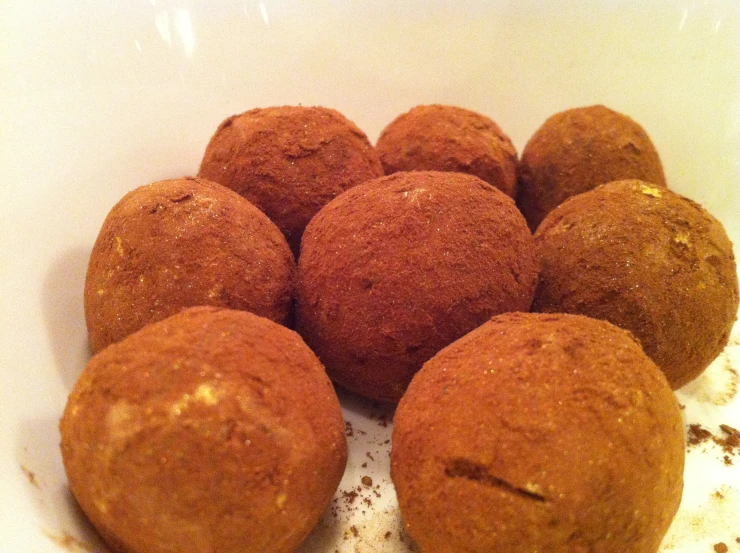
pixel 651 191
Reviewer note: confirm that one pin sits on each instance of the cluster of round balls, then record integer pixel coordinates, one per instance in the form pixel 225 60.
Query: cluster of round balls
pixel 204 424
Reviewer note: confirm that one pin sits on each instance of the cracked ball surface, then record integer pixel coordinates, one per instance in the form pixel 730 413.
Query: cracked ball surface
pixel 539 432
pixel 214 430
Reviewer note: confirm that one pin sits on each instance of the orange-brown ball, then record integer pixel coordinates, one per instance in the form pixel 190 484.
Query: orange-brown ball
pixel 578 149
pixel 179 243
pixel 647 260
pixel 539 432
pixel 212 430
pixel 397 268
pixel 290 161
pixel 449 138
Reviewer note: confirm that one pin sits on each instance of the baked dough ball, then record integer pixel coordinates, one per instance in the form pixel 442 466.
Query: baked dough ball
pixel 211 431
pixel 647 260
pixel 290 161
pixel 178 243
pixel 539 433
pixel 397 268
pixel 448 138
pixel 575 151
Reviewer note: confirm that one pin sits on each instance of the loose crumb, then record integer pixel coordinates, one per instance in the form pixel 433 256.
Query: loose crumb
pixel 720 547
pixel 30 475
pixel 69 542
pixel 366 481
pixel 698 434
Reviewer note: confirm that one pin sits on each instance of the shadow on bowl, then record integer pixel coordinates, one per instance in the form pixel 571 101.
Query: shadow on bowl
pixel 62 304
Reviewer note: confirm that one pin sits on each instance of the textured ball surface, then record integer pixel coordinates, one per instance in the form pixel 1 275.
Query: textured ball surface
pixel 212 430
pixel 448 138
pixel 539 432
pixel 575 151
pixel 649 261
pixel 179 243
pixel 290 161
pixel 397 268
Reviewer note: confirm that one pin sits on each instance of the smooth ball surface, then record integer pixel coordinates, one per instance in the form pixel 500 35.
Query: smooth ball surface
pixel 449 138
pixel 290 161
pixel 212 430
pixel 647 260
pixel 179 243
pixel 578 149
pixel 397 268
pixel 539 432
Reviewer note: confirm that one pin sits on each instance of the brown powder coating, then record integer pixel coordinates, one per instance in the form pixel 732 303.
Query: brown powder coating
pixel 448 138
pixel 539 432
pixel 397 268
pixel 577 150
pixel 179 243
pixel 212 430
pixel 647 260
pixel 290 161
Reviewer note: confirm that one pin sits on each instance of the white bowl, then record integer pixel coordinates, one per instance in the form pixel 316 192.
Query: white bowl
pixel 97 98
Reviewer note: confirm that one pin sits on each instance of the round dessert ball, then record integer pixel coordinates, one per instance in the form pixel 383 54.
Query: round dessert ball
pixel 290 161
pixel 647 260
pixel 212 430
pixel 449 138
pixel 575 151
pixel 179 243
pixel 539 432
pixel 397 268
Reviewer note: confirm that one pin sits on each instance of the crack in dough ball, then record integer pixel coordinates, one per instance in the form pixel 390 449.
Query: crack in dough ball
pixel 539 432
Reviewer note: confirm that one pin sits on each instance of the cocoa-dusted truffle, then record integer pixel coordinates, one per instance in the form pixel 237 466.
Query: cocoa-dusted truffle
pixel 539 433
pixel 575 151
pixel 647 260
pixel 448 138
pixel 178 243
pixel 290 161
pixel 397 268
pixel 212 430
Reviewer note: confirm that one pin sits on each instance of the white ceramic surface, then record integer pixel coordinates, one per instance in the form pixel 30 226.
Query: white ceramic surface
pixel 99 97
